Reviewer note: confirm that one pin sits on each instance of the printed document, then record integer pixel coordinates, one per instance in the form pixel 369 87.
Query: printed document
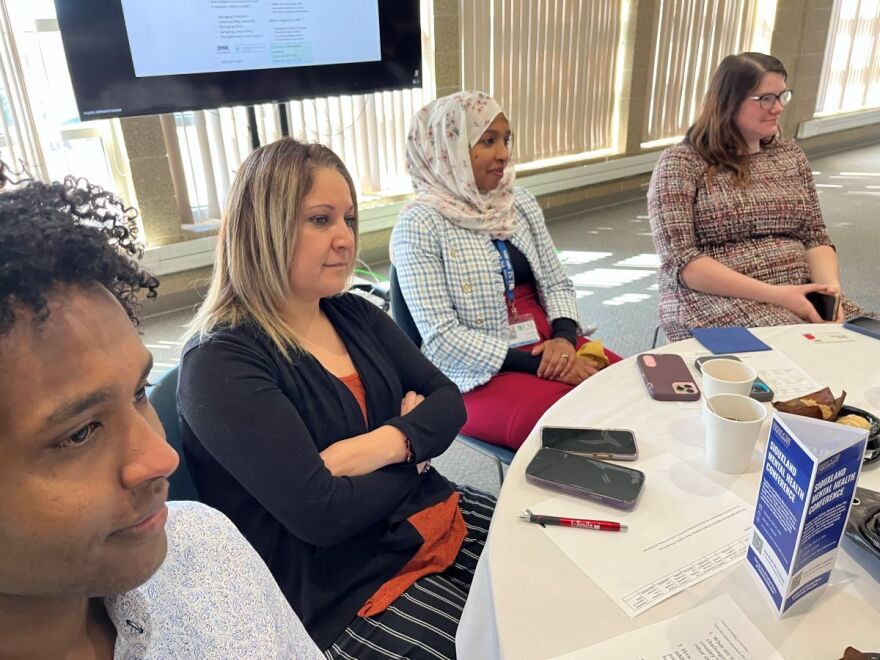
pixel 717 630
pixel 684 529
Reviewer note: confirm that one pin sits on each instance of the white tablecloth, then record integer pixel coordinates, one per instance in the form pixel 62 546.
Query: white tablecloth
pixel 528 600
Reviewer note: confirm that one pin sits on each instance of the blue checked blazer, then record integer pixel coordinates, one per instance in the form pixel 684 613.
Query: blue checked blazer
pixel 451 280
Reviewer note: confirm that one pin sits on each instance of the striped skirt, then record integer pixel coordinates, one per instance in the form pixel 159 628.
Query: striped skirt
pixel 422 622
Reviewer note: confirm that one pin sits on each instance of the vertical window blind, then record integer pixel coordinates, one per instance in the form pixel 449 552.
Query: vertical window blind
pixel 40 130
pixel 19 141
pixel 368 131
pixel 850 78
pixel 553 66
pixel 691 39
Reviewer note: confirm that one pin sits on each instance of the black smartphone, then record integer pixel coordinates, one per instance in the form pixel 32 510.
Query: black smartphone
pixel 826 304
pixel 603 482
pixel 864 324
pixel 760 390
pixel 614 444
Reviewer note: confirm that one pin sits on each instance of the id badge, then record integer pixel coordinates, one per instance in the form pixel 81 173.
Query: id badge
pixel 522 331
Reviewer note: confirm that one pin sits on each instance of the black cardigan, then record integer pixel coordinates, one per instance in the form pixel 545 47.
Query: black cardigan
pixel 253 424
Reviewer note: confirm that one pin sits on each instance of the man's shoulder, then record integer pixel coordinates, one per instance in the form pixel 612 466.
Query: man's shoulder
pixel 206 553
pixel 193 524
pixel 214 593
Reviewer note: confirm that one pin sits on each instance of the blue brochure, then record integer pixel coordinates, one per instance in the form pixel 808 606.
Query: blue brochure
pixel 807 484
pixel 733 339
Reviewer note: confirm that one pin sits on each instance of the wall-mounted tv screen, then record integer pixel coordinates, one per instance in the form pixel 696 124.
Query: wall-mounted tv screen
pixel 138 57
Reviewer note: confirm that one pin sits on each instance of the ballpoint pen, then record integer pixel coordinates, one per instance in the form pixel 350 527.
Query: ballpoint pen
pixel 583 523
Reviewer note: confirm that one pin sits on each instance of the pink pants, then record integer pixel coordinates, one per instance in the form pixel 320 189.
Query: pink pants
pixel 505 410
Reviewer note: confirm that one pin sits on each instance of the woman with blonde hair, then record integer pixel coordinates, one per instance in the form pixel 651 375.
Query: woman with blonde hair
pixel 309 419
pixel 734 212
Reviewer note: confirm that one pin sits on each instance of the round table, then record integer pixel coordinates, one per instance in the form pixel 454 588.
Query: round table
pixel 529 600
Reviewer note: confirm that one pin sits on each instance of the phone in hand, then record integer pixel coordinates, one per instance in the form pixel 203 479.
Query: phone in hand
pixel 589 478
pixel 760 390
pixel 826 304
pixel 864 324
pixel 667 377
pixel 613 444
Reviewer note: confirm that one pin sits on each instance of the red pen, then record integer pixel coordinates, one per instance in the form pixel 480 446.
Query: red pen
pixel 583 523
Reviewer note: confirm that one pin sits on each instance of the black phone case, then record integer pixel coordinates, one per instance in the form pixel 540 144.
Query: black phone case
pixel 825 304
pixel 584 492
pixel 598 455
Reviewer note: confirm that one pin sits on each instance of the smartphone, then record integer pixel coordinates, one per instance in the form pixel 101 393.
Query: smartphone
pixel 603 482
pixel 667 377
pixel 760 390
pixel 613 444
pixel 864 324
pixel 826 304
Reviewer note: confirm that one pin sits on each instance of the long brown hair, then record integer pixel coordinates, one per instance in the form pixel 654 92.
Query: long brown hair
pixel 714 134
pixel 250 281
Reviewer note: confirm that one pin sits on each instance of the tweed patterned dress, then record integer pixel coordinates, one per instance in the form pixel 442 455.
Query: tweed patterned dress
pixel 762 231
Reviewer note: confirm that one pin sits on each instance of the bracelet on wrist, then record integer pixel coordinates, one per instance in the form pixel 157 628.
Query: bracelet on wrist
pixel 410 457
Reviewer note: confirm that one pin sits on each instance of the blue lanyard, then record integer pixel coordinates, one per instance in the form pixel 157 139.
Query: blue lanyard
pixel 506 270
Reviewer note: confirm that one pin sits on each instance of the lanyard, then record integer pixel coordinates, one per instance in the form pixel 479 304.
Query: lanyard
pixel 506 272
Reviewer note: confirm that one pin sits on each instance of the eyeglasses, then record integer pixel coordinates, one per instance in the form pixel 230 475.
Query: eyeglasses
pixel 767 101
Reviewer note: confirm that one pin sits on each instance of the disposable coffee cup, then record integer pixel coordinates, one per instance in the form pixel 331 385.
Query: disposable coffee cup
pixel 733 423
pixel 727 377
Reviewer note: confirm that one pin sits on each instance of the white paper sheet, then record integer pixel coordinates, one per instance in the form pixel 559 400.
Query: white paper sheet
pixel 712 631
pixel 684 529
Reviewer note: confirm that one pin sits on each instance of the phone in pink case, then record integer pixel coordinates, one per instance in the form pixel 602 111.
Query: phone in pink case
pixel 667 377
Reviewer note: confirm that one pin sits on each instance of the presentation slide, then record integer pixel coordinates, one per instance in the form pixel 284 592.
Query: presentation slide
pixel 173 37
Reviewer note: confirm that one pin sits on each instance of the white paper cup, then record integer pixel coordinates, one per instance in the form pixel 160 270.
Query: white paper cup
pixel 733 422
pixel 727 377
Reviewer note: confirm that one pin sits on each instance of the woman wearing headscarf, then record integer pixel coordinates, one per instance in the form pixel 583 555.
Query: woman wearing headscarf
pixel 480 275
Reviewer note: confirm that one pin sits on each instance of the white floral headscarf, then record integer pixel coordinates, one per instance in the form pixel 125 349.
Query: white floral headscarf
pixel 438 161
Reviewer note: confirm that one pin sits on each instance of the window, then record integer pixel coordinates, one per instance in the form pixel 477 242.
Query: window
pixel 851 68
pixel 554 66
pixel 691 40
pixel 40 121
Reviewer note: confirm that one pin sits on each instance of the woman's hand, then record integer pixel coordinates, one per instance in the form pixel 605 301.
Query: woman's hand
pixel 581 369
pixel 793 297
pixel 409 402
pixel 557 358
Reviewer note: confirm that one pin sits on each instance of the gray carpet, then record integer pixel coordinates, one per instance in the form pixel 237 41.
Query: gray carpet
pixel 610 255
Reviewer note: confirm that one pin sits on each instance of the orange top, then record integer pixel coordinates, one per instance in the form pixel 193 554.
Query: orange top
pixel 356 387
pixel 441 526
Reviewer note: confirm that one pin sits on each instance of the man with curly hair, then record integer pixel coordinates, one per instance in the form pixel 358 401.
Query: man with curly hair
pixel 93 563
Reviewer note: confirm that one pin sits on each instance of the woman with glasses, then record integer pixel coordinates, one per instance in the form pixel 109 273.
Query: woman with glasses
pixel 480 276
pixel 734 212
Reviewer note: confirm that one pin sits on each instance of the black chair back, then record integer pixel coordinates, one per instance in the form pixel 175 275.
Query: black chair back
pixel 163 396
pixel 400 310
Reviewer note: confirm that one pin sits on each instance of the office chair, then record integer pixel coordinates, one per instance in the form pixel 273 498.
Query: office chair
pixel 657 330
pixel 400 311
pixel 163 396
